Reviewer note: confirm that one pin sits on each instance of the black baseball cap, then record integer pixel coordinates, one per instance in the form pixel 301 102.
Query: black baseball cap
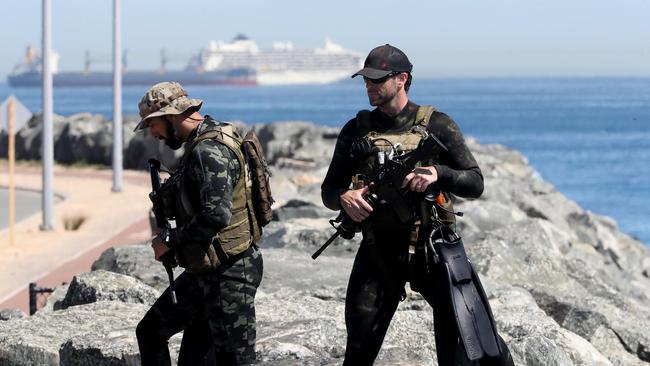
pixel 383 60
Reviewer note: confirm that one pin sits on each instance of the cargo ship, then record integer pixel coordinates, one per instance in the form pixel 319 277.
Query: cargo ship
pixel 28 74
pixel 239 62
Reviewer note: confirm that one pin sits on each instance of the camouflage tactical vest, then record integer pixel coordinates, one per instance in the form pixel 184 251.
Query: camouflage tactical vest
pixel 242 229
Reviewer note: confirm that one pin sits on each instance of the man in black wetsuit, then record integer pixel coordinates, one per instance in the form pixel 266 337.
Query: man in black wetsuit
pixel 381 267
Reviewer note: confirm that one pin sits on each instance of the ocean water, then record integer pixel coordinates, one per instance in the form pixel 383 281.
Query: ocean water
pixel 590 137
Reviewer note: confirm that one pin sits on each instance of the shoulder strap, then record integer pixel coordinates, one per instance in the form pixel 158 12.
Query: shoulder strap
pixel 424 115
pixel 225 134
pixel 363 122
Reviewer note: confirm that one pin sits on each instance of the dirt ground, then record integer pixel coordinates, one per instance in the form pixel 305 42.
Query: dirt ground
pixel 49 258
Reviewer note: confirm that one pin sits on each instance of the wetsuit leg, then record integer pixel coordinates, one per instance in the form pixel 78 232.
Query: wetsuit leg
pixel 196 347
pixel 449 348
pixel 371 300
pixel 165 319
pixel 230 308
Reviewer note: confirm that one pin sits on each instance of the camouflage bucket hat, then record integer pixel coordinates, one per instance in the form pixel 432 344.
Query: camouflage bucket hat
pixel 167 98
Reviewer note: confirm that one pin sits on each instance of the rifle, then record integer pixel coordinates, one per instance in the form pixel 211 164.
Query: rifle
pixel 386 187
pixel 162 222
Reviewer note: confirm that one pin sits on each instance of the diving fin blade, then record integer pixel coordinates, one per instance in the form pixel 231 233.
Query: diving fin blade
pixel 462 304
pixel 490 341
pixel 471 309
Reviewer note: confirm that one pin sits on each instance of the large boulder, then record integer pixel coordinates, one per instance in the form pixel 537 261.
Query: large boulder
pixel 301 141
pixel 297 329
pixel 534 338
pixel 101 285
pixel 532 255
pixel 36 340
pixel 135 260
pixel 84 138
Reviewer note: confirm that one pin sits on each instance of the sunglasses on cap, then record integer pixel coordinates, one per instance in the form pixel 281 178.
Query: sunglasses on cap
pixel 382 79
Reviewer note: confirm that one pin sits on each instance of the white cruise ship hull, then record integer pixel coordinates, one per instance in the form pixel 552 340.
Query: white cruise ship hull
pixel 290 77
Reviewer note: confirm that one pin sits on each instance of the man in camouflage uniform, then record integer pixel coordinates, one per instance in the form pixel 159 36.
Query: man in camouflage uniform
pixel 383 263
pixel 212 240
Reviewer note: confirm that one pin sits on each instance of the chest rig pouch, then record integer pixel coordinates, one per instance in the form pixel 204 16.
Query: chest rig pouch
pixel 371 149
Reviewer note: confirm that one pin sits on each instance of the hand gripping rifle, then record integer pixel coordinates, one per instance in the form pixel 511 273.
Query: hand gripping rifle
pixel 387 187
pixel 168 259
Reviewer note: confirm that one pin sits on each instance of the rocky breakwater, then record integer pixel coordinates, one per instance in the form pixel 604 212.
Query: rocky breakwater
pixel 86 138
pixel 566 286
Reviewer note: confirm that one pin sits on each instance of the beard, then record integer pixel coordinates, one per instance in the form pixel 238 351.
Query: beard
pixel 171 140
pixel 382 96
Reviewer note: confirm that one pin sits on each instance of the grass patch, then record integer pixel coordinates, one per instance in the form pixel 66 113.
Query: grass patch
pixel 73 222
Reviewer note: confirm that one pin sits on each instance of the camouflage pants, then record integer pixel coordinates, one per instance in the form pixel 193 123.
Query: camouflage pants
pixel 215 309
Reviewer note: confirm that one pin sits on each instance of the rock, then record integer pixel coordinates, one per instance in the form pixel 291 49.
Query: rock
pixel 55 298
pixel 607 342
pixel 29 138
pixel 135 260
pixel 117 348
pixel 285 268
pixel 535 339
pixel 36 340
pixel 602 233
pixel 302 141
pixel 87 138
pixel 309 330
pixel 300 209
pixel 567 292
pixel 8 314
pixel 306 235
pixel 141 147
pixel 566 287
pixel 84 138
pixel 481 216
pixel 101 285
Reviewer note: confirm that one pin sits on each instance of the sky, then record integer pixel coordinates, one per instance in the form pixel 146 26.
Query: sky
pixel 442 38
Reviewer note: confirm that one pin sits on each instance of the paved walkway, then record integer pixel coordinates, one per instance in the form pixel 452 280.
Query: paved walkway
pixel 52 257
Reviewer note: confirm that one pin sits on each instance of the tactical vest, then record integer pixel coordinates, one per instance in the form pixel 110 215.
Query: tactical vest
pixel 389 144
pixel 242 229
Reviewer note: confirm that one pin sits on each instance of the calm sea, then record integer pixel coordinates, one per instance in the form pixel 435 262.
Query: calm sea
pixel 590 137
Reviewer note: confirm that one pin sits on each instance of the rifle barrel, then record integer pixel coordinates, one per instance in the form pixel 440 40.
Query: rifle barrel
pixel 324 246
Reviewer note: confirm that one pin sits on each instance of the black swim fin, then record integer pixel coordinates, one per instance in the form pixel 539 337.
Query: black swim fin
pixel 471 309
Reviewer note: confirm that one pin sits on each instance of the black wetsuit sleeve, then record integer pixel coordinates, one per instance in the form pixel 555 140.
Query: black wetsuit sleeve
pixel 458 171
pixel 339 175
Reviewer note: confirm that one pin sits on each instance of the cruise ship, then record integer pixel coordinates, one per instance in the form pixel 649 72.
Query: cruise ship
pixel 283 63
pixel 240 62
